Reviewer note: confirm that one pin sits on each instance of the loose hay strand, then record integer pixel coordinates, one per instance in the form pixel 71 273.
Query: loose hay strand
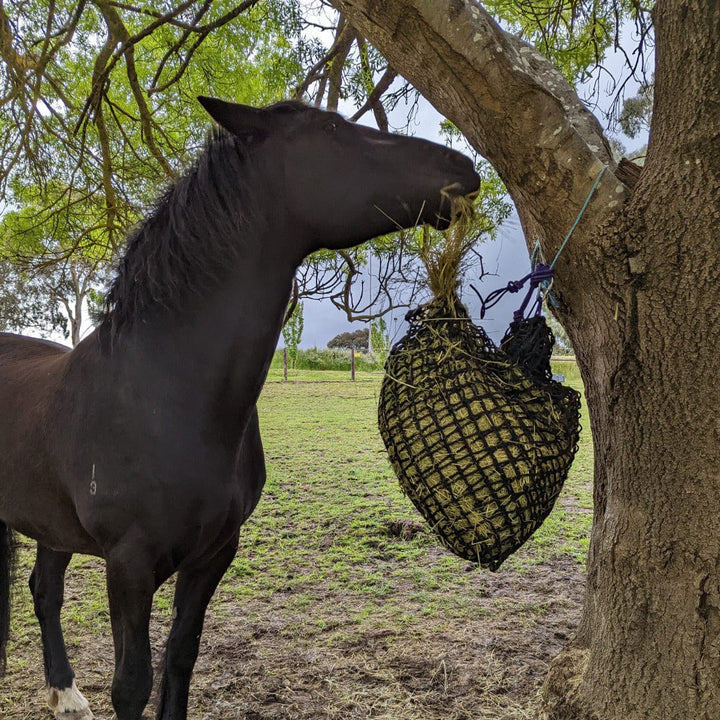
pixel 442 260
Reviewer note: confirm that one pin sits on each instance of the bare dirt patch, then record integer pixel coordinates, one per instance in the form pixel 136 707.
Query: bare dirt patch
pixel 265 659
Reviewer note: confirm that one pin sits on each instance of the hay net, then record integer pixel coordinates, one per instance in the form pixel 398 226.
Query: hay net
pixel 481 437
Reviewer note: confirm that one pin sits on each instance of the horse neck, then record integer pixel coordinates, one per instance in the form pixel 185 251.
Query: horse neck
pixel 210 354
pixel 198 303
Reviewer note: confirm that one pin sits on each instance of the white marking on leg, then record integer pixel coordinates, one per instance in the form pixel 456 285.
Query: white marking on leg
pixel 69 702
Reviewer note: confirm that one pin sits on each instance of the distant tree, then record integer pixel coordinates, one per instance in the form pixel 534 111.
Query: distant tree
pixel 357 340
pixel 563 346
pixel 636 114
pixel 634 119
pixel 292 333
pixel 379 338
pixel 50 297
pixel 61 255
pixel 74 286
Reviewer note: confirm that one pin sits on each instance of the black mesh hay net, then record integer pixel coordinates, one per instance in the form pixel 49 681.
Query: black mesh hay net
pixel 481 437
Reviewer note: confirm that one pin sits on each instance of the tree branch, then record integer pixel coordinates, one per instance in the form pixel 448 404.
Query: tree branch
pixel 146 120
pixel 346 37
pixel 512 104
pixel 374 101
pixel 318 71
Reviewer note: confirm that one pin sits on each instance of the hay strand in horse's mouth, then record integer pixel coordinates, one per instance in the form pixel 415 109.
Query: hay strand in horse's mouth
pixel 442 262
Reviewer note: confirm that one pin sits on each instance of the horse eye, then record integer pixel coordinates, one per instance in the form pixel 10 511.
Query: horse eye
pixel 331 127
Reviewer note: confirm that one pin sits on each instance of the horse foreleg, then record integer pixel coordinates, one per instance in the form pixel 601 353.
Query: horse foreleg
pixel 131 584
pixel 47 585
pixel 193 591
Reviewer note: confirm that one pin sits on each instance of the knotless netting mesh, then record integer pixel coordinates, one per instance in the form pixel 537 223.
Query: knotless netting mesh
pixel 481 437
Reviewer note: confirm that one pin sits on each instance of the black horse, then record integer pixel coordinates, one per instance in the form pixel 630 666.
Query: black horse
pixel 141 445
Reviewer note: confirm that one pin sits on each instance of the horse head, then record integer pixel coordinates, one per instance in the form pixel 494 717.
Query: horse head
pixel 341 183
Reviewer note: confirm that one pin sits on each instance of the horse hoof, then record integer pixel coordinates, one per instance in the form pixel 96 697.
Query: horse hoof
pixel 69 704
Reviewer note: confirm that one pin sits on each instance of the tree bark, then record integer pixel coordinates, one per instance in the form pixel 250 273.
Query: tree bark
pixel 640 289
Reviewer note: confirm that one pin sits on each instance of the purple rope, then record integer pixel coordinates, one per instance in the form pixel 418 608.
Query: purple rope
pixel 539 275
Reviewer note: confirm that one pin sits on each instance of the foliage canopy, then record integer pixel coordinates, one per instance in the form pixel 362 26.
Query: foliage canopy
pixel 356 340
pixel 99 112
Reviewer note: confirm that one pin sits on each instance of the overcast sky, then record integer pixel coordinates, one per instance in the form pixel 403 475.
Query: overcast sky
pixel 504 259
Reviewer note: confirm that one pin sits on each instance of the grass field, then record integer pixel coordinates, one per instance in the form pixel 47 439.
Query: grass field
pixel 340 603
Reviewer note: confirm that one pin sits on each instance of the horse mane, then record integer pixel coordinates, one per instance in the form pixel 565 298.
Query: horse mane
pixel 186 238
pixel 191 232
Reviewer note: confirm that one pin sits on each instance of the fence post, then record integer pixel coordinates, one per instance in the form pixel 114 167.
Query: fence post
pixel 352 363
pixel 285 363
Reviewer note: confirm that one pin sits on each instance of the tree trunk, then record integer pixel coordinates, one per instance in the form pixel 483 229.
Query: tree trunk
pixel 640 289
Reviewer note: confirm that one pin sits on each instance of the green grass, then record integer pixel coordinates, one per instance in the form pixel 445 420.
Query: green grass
pixel 323 522
pixel 331 496
pixel 336 563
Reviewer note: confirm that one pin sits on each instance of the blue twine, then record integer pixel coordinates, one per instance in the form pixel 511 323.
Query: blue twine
pixel 540 276
pixel 580 214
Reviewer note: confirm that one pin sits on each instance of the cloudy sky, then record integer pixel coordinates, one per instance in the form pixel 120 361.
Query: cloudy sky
pixel 504 259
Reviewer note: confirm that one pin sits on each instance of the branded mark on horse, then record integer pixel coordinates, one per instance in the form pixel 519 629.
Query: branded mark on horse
pixel 142 444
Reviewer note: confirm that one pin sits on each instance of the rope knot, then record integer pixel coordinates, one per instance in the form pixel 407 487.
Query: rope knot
pixel 540 277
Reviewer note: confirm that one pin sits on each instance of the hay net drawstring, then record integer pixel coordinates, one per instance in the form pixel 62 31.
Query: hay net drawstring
pixel 480 437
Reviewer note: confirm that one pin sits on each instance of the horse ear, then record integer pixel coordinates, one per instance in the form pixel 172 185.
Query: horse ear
pixel 246 122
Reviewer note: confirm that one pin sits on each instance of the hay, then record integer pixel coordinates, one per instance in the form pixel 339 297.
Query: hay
pixel 442 260
pixel 481 438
